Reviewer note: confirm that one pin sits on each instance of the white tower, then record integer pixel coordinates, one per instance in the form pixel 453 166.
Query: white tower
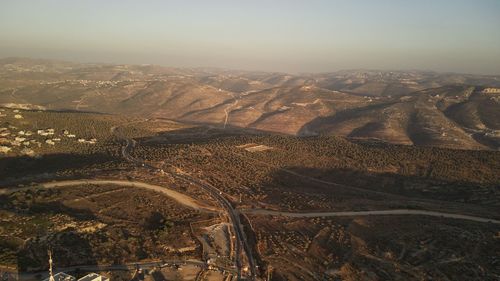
pixel 51 276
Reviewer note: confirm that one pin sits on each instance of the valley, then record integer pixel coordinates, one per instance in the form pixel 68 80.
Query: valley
pixel 200 201
pixel 413 108
pixel 249 140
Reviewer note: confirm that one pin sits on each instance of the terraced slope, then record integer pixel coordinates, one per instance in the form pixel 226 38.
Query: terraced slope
pixel 421 108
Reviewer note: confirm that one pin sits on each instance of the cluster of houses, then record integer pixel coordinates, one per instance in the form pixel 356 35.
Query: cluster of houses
pixel 11 137
pixel 91 141
pixel 113 83
pixel 491 91
pixel 61 276
pixel 98 83
pixel 20 139
pixel 16 116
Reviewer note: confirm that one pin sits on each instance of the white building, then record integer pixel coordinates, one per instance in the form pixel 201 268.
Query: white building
pixel 93 277
pixel 491 91
pixel 4 149
pixel 28 152
pixel 61 276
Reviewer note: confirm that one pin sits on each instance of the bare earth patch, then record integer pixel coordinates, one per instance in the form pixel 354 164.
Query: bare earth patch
pixel 253 147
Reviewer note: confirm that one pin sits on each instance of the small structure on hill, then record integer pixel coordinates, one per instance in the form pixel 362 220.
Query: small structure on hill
pixel 46 132
pixel 91 141
pixel 4 149
pixel 93 277
pixel 42 133
pixel 491 91
pixel 15 143
pixel 4 132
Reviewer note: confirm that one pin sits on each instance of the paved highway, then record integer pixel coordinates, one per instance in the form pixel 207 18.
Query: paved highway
pixel 232 214
pixel 369 213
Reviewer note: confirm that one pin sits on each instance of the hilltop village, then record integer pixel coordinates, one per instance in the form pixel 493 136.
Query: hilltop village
pixel 21 137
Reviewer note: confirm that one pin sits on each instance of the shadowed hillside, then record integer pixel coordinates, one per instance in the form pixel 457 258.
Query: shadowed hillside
pixel 421 108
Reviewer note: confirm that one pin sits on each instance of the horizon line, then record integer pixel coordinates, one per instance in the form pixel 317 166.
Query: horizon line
pixel 246 70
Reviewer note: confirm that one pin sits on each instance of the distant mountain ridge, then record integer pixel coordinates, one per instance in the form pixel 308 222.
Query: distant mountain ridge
pixel 405 107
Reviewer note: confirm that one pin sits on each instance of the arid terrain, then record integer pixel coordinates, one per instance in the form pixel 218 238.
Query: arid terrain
pixel 325 140
pixel 402 107
pixel 138 198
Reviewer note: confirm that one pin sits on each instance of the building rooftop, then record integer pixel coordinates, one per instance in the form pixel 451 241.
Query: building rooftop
pixel 61 276
pixel 93 277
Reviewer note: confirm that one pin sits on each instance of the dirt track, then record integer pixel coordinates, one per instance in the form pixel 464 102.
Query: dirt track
pixel 369 213
pixel 177 196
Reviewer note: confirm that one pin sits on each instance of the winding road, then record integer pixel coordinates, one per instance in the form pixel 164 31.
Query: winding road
pixel 215 193
pixel 234 215
pixel 194 204
pixel 177 196
pixel 369 213
pixel 241 244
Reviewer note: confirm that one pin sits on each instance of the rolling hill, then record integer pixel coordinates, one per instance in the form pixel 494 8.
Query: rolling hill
pixel 413 107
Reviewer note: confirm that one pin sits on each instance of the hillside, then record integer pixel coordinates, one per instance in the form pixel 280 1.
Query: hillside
pixel 420 108
pixel 103 189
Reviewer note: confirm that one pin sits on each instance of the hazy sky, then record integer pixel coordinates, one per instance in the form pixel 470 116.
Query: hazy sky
pixel 276 35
